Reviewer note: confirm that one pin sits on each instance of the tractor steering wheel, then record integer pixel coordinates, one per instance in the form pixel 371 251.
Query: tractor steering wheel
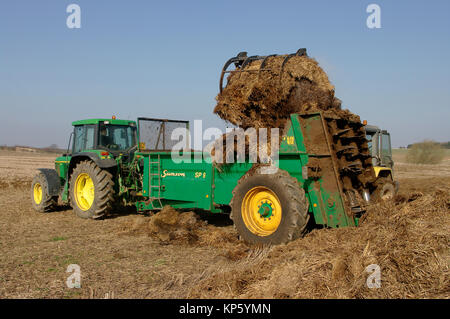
pixel 112 146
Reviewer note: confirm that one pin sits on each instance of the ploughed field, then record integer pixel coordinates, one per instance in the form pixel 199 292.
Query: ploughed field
pixel 178 255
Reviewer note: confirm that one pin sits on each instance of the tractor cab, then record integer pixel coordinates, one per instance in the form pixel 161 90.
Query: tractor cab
pixel 111 135
pixel 379 142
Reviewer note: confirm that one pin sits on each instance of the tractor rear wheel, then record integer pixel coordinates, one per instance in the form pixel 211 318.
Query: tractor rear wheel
pixel 269 208
pixel 40 199
pixel 91 190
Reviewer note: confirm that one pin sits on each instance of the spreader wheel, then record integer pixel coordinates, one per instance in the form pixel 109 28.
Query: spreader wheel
pixel 269 208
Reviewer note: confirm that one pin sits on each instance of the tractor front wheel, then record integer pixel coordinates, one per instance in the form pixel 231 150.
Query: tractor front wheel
pixel 91 190
pixel 386 189
pixel 269 208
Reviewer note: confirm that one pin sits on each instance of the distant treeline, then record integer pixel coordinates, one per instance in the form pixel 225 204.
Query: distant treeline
pixel 50 149
pixel 426 152
pixel 445 145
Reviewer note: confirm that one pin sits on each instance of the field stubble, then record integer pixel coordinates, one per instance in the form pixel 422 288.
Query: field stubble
pixel 183 255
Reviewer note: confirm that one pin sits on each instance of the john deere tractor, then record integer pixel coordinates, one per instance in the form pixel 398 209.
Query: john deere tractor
pixel 379 142
pixel 87 175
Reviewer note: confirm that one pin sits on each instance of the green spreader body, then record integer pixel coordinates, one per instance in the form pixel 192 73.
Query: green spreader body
pixel 151 179
pixel 198 184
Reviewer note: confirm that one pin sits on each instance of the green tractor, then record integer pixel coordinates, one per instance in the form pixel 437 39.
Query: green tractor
pixel 86 177
pixel 323 171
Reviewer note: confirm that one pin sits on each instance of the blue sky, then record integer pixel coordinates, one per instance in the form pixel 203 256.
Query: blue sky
pixel 163 59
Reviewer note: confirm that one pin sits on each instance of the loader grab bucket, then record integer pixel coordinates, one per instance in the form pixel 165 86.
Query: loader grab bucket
pixel 242 60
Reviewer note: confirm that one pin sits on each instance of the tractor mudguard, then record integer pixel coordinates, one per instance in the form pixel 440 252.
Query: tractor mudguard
pixel 102 163
pixel 383 172
pixel 53 181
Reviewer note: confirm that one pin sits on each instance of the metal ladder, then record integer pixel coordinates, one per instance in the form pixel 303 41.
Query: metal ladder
pixel 152 176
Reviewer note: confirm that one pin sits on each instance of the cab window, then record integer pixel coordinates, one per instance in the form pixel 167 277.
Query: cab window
pixel 369 142
pixel 90 136
pixel 84 136
pixel 386 145
pixel 117 137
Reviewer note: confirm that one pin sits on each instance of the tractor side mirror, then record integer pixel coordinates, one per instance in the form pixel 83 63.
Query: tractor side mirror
pixel 70 140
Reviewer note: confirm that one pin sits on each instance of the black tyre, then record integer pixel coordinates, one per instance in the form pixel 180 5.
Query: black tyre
pixel 91 190
pixel 269 208
pixel 40 198
pixel 386 189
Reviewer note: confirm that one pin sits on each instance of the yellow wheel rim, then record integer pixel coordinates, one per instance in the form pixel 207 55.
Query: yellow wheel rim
pixel 37 193
pixel 84 191
pixel 261 211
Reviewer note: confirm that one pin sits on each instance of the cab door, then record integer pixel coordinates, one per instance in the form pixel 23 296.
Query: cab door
pixel 386 150
pixel 84 138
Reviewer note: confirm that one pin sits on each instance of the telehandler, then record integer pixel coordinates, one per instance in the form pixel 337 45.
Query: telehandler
pixel 379 142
